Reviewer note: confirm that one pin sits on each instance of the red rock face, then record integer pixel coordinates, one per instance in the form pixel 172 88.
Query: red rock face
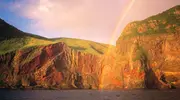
pixel 149 61
pixel 54 65
pixel 148 52
pixel 140 62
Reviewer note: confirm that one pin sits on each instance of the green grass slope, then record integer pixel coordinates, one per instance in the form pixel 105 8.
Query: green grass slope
pixel 85 45
pixel 166 22
pixel 12 39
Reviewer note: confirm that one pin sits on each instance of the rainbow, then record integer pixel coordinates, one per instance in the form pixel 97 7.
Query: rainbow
pixel 121 18
pixel 114 33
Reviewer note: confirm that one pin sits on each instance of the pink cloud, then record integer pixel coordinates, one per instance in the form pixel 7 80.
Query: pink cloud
pixel 87 19
pixel 72 18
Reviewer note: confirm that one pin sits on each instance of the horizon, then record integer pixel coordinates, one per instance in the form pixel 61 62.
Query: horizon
pixel 92 21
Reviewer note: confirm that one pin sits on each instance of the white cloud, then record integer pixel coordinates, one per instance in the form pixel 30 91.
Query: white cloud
pixel 88 19
pixel 72 18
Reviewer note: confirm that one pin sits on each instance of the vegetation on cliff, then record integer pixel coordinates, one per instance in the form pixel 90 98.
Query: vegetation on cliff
pixel 152 45
pixel 167 22
pixel 12 39
pixel 28 60
pixel 146 56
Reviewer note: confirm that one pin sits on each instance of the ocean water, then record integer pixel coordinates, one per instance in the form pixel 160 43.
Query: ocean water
pixel 89 95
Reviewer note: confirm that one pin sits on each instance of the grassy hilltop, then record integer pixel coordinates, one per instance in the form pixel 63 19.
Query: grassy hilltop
pixel 164 23
pixel 12 39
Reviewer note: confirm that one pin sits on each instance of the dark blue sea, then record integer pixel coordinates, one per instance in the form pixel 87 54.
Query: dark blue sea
pixel 89 95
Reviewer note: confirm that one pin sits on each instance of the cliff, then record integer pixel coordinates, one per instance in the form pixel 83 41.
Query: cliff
pixel 52 66
pixel 30 61
pixel 146 56
pixel 148 52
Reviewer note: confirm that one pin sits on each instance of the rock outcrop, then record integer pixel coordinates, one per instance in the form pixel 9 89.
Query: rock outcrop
pixel 148 52
pixel 146 56
pixel 52 66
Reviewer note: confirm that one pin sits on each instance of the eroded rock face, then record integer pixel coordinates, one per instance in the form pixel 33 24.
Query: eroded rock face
pixel 150 61
pixel 139 62
pixel 146 56
pixel 148 52
pixel 55 66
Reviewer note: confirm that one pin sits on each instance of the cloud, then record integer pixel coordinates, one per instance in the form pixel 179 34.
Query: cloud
pixel 86 19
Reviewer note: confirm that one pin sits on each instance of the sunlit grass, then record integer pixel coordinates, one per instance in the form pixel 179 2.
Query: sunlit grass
pixel 166 22
pixel 86 46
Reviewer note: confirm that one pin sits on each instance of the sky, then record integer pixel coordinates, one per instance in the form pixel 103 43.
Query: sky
pixel 96 20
